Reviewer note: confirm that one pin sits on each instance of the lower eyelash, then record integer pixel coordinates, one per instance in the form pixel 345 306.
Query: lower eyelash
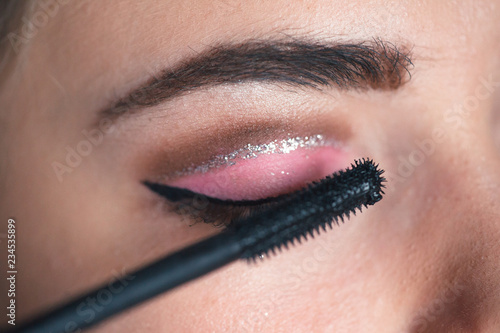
pixel 202 208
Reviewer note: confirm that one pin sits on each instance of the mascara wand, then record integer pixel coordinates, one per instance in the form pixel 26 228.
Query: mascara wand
pixel 314 207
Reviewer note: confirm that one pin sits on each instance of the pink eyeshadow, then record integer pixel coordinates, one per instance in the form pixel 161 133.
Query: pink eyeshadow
pixel 266 175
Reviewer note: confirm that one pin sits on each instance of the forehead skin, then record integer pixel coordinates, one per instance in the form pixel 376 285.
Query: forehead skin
pixel 93 51
pixel 130 37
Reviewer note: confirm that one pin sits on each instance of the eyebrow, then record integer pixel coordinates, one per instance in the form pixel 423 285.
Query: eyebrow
pixel 365 65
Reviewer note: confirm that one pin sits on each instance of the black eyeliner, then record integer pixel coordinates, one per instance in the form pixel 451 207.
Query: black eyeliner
pixel 289 218
pixel 176 195
pixel 202 208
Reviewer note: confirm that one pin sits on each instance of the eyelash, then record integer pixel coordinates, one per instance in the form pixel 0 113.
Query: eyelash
pixel 202 208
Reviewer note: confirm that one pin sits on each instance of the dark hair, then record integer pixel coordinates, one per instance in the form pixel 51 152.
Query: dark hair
pixel 11 12
pixel 10 15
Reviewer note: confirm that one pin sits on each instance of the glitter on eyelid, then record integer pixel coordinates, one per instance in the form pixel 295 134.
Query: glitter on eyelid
pixel 284 146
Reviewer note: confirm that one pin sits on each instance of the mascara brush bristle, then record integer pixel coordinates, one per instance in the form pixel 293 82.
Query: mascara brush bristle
pixel 319 204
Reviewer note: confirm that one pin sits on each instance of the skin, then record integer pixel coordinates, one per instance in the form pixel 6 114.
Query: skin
pixel 424 259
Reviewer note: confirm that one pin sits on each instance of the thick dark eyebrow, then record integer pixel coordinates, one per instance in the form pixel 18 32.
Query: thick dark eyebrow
pixel 365 65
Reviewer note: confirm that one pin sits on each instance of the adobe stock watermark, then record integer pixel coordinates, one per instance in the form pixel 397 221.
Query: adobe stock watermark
pixel 88 309
pixel 454 118
pixel 75 155
pixel 94 137
pixel 309 266
pixel 45 11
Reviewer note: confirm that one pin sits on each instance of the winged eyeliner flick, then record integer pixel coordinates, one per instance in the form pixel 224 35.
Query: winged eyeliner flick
pixel 287 219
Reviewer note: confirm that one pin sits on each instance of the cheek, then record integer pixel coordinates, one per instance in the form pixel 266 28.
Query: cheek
pixel 301 290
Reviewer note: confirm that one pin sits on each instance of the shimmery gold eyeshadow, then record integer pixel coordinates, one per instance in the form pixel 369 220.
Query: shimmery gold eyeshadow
pixel 250 151
pixel 191 152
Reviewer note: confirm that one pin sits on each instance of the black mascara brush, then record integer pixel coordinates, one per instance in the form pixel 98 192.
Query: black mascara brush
pixel 296 215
